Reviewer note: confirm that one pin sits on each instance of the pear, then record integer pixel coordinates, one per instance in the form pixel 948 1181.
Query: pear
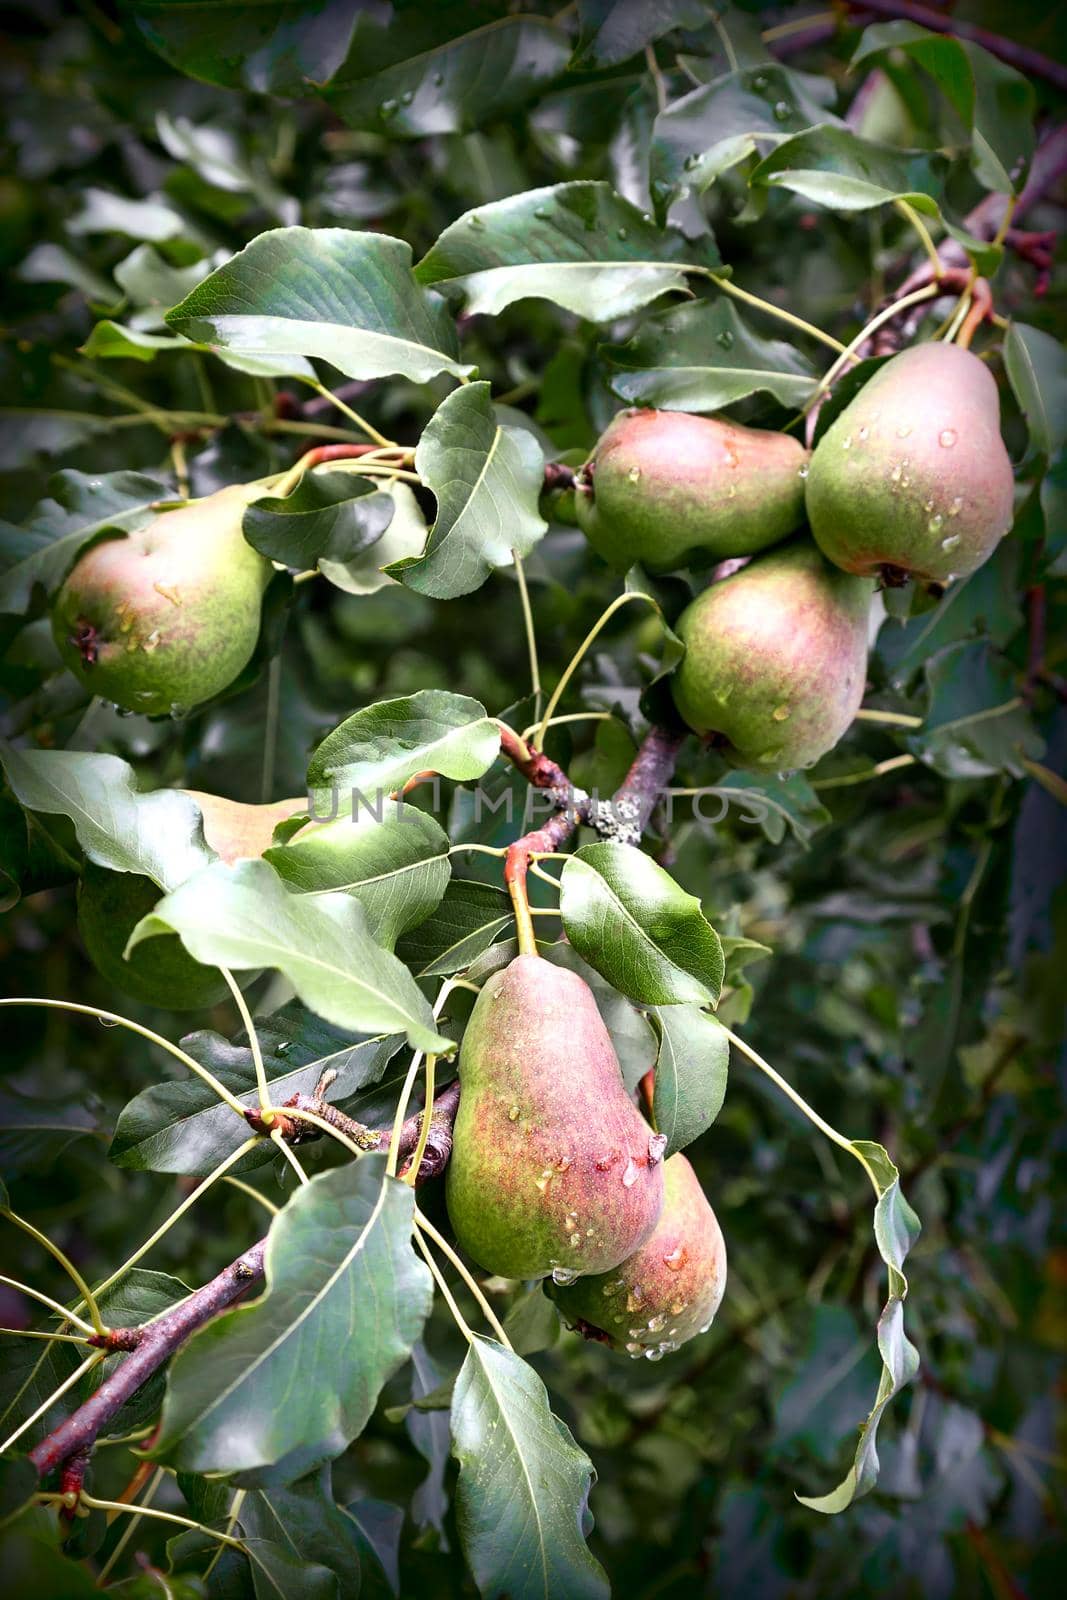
pixel 668 1290
pixel 164 618
pixel 912 479
pixel 776 659
pixel 671 490
pixel 235 830
pixel 553 1168
pixel 160 972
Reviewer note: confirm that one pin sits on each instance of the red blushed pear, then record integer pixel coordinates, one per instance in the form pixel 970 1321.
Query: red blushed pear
pixel 666 1292
pixel 554 1171
pixel 164 618
pixel 672 490
pixel 776 659
pixel 912 479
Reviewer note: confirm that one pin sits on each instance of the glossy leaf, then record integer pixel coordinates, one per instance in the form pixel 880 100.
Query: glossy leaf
pixel 159 834
pixel 523 1484
pixel 245 918
pixel 977 723
pixel 397 868
pixel 834 168
pixel 702 357
pixel 994 102
pixel 345 1300
pixel 615 30
pixel 691 1068
pixel 182 1126
pixel 270 48
pixel 328 520
pixel 638 928
pixel 580 245
pixel 304 1520
pixel 344 297
pixel 377 750
pixel 714 127
pixel 457 85
pixel 35 1130
pixel 470 918
pixel 1036 365
pixel 487 478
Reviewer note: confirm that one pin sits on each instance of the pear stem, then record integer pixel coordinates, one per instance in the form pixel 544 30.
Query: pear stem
pixel 576 659
pixel 910 215
pixel 528 624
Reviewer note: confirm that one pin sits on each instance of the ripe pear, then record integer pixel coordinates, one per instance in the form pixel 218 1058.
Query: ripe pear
pixel 668 1290
pixel 160 972
pixel 672 490
pixel 236 830
pixel 912 479
pixel 553 1168
pixel 164 618
pixel 776 659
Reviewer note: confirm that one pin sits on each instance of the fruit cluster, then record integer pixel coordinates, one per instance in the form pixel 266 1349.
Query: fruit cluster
pixel 555 1174
pixel 911 480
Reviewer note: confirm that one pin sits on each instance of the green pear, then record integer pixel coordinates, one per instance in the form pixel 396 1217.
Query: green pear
pixel 776 659
pixel 553 1168
pixel 671 490
pixel 668 1290
pixel 912 479
pixel 160 972
pixel 164 618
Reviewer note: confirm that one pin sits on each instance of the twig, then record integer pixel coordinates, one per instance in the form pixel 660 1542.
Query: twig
pixel 79 1431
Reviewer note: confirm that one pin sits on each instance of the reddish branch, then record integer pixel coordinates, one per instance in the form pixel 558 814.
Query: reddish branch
pixel 77 1434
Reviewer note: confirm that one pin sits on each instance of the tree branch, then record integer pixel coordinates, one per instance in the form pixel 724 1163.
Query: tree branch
pixel 77 1434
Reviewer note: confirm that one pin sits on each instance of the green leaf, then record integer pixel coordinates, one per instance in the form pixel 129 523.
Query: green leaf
pixel 305 1521
pixel 274 47
pixel 110 340
pixel 82 506
pixel 771 803
pixel 103 212
pixel 691 1068
pixel 158 835
pixel 346 1298
pixel 579 245
pixel 34 1131
pixel 470 918
pixel 50 263
pixel 994 102
pixel 487 479
pixel 702 357
pixel 344 297
pixel 19 1482
pixel 977 724
pixel 896 1228
pixel 182 1126
pixel 279 1574
pixel 615 30
pixel 523 1484
pixel 397 868
pixel 215 154
pixel 639 929
pixel 714 127
pixel 243 917
pixel 1036 365
pixel 834 167
pixel 455 85
pixel 329 519
pixel 378 749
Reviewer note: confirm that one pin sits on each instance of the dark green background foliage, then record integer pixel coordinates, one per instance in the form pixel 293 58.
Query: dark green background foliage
pixel 915 916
